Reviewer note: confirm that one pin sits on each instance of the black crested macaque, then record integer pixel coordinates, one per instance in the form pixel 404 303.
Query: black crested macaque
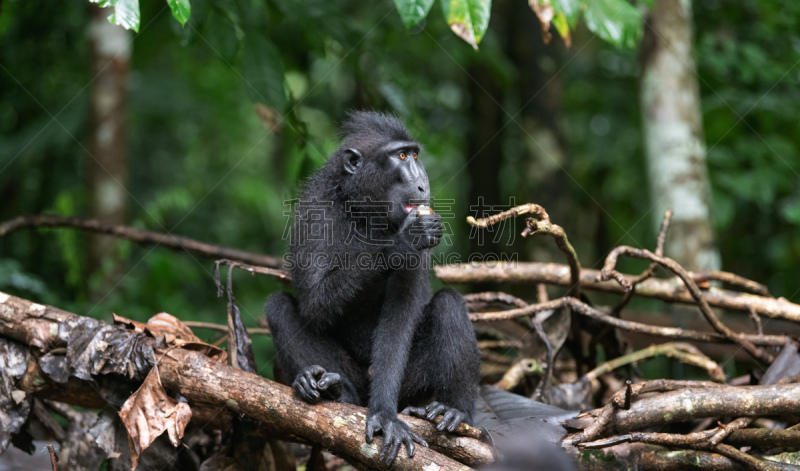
pixel 365 327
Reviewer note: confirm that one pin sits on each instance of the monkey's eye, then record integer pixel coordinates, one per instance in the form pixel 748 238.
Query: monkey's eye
pixel 402 156
pixel 415 156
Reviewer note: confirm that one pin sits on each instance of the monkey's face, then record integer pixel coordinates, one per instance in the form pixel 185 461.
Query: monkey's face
pixel 393 174
pixel 409 187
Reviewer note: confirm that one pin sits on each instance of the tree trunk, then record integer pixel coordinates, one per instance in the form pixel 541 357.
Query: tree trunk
pixel 674 140
pixel 108 151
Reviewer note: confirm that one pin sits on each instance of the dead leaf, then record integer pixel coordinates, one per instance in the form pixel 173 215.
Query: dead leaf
pixel 174 332
pixel 544 11
pixel 149 412
pixel 465 32
pixel 129 323
pixel 171 328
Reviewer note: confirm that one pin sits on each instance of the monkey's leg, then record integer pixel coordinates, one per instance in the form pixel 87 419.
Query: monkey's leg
pixel 312 363
pixel 445 362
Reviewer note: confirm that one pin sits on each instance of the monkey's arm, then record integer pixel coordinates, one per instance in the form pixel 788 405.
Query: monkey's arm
pixel 327 277
pixel 406 296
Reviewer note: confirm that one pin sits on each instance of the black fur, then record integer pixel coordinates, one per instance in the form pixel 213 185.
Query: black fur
pixel 373 334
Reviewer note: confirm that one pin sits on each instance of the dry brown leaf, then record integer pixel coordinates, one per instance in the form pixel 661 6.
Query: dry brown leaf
pixel 169 326
pixel 175 333
pixel 131 324
pixel 544 11
pixel 148 412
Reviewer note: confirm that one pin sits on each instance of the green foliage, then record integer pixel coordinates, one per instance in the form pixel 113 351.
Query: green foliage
pixel 615 21
pixel 204 165
pixel 413 11
pixel 181 9
pixel 468 19
pixel 126 12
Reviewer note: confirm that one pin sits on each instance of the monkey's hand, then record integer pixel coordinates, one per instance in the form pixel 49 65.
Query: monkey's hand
pixel 451 416
pixel 315 383
pixel 395 434
pixel 421 231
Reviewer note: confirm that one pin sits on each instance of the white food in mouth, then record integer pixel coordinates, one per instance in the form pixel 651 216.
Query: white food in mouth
pixel 422 209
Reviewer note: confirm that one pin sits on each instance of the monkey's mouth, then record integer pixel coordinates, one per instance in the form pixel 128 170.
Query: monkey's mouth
pixel 422 208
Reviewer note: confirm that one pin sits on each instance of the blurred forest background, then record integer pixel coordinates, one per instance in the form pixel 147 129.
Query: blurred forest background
pixel 224 117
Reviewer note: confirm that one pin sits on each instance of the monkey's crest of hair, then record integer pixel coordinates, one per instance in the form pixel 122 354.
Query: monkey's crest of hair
pixel 366 130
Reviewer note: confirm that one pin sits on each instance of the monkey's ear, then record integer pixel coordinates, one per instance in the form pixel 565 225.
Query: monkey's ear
pixel 352 160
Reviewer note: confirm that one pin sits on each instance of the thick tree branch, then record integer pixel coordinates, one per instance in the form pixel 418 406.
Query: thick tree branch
pixel 670 290
pixel 202 380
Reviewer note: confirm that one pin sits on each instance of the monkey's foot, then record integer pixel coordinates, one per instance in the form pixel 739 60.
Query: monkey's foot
pixel 315 383
pixel 395 434
pixel 451 416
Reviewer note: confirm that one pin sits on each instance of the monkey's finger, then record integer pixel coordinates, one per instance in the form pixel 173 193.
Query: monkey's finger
pixel 410 448
pixel 448 417
pixel 457 419
pixel 302 388
pixel 310 381
pixel 372 427
pixel 328 380
pixel 417 411
pixel 435 411
pixel 417 439
pixel 314 372
pixel 391 448
pixel 395 450
pixel 388 442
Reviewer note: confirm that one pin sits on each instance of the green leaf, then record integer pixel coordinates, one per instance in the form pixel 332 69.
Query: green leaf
pixel 468 19
pixel 263 72
pixel 562 26
pixel 615 21
pixel 126 13
pixel 571 10
pixel 413 11
pixel 180 10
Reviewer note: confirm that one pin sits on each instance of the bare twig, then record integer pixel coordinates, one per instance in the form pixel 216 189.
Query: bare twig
pixel 731 279
pixel 603 316
pixel 540 226
pixel 489 297
pixel 664 439
pixel 683 352
pixel 609 272
pixel 224 328
pixel 651 270
pixel 697 441
pixel 253 269
pixel 139 236
pixel 756 321
pixel 53 456
pixel 764 438
pixel 523 367
pixel 548 372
